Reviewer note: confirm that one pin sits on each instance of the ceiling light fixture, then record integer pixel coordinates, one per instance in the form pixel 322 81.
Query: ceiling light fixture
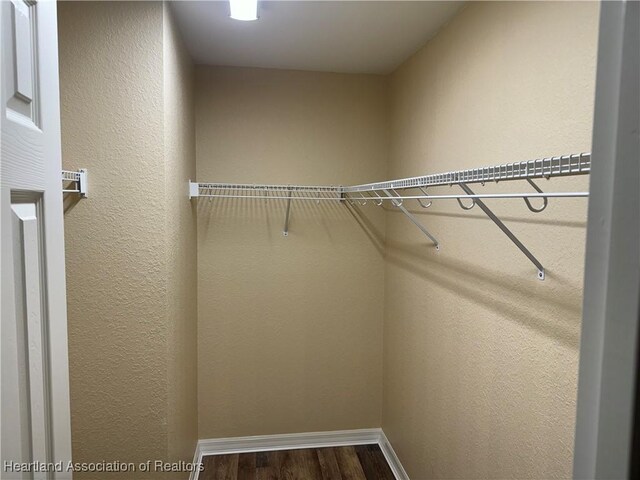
pixel 245 10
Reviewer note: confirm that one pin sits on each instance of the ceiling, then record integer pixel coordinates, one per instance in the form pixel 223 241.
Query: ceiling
pixel 332 36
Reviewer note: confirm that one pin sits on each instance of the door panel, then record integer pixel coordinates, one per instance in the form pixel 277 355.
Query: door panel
pixel 33 330
pixel 21 95
pixel 23 359
pixel 29 321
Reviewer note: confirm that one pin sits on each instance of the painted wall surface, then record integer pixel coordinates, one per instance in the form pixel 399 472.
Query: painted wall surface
pixel 480 357
pixel 476 377
pixel 289 328
pixel 129 246
pixel 180 166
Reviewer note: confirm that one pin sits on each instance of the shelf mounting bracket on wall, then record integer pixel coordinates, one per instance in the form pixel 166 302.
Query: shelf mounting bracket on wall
pixel 285 231
pixel 78 178
pixel 414 220
pixel 194 190
pixel 506 231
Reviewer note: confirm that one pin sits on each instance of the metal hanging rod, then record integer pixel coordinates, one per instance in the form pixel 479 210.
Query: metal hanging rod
pixel 380 192
pixel 75 182
pixel 481 195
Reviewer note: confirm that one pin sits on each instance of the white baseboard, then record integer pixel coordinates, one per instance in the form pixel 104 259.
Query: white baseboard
pixel 290 441
pixel 392 459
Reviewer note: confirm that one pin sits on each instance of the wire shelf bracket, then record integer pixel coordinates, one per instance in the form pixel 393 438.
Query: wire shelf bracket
pixel 506 231
pixel 285 231
pixel 414 220
pixel 75 181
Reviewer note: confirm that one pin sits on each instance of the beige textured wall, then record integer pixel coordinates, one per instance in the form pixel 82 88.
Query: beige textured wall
pixel 130 247
pixel 289 328
pixel 480 358
pixel 180 166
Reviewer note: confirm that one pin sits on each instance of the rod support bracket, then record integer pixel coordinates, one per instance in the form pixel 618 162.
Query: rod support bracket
pixel 398 204
pixel 285 231
pixel 506 231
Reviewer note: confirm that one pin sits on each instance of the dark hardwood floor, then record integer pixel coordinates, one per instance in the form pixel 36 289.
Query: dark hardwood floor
pixel 362 462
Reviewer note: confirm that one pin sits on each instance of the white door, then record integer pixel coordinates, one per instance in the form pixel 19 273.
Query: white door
pixel 35 380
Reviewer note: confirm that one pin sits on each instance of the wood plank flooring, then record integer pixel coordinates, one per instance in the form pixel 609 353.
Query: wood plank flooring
pixel 361 462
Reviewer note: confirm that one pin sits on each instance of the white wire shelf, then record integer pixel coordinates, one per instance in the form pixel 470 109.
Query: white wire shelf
pixel 267 192
pixel 75 182
pixel 576 164
pixel 562 166
pixel 396 192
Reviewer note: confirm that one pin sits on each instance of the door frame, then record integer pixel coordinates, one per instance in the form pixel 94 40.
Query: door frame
pixel 607 382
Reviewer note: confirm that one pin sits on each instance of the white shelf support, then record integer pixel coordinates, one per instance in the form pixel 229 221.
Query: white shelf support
pixel 79 179
pixel 414 220
pixel 506 231
pixel 285 231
